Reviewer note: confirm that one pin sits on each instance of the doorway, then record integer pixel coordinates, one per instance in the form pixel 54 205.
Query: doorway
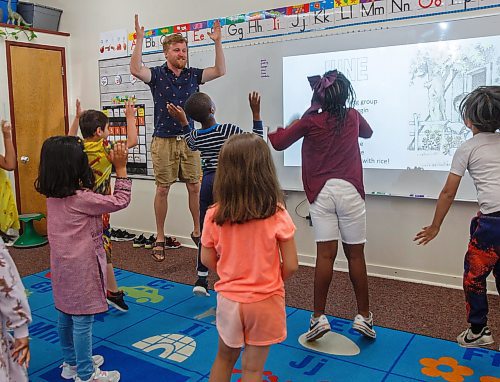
pixel 38 110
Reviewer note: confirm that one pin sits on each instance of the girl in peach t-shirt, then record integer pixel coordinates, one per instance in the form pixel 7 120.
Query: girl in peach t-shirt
pixel 248 240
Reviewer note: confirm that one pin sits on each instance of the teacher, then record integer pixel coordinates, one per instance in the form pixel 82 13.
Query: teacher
pixel 173 83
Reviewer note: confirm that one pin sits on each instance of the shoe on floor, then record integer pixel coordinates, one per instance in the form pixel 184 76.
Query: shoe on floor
pixel 122 235
pixel 171 242
pixel 101 376
pixel 139 241
pixel 467 339
pixel 201 287
pixel 196 239
pixel 364 326
pixel 116 300
pixel 150 242
pixel 318 327
pixel 69 372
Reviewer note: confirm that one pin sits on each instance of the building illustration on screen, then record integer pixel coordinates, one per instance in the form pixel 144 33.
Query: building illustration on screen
pixel 441 75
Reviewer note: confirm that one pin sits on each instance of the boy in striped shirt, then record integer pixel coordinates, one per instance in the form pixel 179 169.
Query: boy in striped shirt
pixel 209 140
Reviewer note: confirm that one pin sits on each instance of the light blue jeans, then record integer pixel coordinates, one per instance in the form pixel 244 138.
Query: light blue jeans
pixel 75 334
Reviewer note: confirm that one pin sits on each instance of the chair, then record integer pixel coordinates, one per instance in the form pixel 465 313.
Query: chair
pixel 30 238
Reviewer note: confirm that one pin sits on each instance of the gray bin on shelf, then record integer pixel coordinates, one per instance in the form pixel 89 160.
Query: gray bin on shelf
pixel 40 16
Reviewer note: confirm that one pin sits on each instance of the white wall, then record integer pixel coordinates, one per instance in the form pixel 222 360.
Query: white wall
pixel 392 222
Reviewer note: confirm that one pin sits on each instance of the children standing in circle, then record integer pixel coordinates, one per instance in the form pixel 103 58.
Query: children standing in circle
pixel 480 155
pixel 208 140
pixel 77 255
pixel 94 126
pixel 332 175
pixel 248 239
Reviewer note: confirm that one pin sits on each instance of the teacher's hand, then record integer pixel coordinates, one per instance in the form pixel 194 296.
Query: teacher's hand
pixel 216 35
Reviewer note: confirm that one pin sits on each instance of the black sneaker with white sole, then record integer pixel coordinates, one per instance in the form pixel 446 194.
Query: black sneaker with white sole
pixel 115 299
pixel 122 235
pixel 139 241
pixel 200 288
pixel 468 339
pixel 150 242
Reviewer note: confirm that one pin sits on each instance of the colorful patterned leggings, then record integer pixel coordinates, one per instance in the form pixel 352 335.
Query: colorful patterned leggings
pixel 482 257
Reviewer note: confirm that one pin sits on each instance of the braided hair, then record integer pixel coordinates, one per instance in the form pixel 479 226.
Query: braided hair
pixel 339 97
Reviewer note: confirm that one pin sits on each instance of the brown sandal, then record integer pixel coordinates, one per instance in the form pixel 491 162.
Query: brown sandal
pixel 158 253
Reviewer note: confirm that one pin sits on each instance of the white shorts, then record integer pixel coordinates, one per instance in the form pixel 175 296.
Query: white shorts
pixel 339 207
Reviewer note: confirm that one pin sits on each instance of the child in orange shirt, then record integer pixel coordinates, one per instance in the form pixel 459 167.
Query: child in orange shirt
pixel 248 239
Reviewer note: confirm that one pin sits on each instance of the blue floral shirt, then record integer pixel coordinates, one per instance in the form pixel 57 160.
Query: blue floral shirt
pixel 167 87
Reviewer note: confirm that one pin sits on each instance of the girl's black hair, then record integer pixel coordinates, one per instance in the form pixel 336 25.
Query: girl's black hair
pixel 339 97
pixel 64 168
pixel 482 108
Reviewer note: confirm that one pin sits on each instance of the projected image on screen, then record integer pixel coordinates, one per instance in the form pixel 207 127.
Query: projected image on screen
pixel 409 94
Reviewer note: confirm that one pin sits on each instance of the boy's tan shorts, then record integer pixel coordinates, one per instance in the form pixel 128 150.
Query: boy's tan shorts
pixel 172 160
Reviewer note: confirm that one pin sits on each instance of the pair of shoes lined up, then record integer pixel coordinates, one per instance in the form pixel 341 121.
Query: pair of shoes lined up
pixel 143 241
pixel 149 242
pixel 319 326
pixel 121 235
pixel 69 372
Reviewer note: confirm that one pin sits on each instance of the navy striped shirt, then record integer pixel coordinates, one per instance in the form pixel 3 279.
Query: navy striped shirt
pixel 209 141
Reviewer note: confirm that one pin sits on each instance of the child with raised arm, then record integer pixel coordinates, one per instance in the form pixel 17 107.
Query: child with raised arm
pixel 15 316
pixel 9 217
pixel 248 239
pixel 332 175
pixel 77 255
pixel 480 155
pixel 94 126
pixel 208 140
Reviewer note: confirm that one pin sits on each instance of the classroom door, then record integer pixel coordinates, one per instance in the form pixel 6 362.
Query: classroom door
pixel 38 110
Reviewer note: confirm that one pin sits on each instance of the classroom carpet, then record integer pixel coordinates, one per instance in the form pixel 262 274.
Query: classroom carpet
pixel 170 335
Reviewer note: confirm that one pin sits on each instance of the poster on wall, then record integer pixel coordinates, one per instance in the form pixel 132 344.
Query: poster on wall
pixel 113 44
pixel 137 157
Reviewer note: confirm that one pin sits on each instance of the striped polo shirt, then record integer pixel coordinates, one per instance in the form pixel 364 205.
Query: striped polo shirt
pixel 209 141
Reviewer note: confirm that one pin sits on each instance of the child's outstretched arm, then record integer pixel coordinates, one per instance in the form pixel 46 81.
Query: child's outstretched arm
pixel 178 113
pixel 254 100
pixel 209 258
pixel 73 129
pixel 131 126
pixel 446 198
pixel 290 262
pixel 283 138
pixel 8 161
pixel 14 308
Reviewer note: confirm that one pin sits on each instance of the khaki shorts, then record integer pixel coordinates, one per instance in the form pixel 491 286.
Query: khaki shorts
pixel 172 160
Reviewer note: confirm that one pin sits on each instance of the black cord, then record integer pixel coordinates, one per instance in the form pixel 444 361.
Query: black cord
pixel 297 207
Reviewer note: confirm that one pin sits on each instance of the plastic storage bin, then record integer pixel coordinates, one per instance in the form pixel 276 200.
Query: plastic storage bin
pixel 40 16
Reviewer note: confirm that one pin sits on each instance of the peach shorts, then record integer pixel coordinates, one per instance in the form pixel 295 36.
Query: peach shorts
pixel 259 323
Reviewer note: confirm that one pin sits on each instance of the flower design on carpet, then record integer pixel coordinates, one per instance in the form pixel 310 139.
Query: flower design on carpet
pixel 446 368
pixel 487 378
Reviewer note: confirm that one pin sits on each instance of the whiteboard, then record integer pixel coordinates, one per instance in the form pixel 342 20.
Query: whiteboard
pixel 259 67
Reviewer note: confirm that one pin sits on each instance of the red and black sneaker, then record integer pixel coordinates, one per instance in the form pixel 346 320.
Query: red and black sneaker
pixel 171 242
